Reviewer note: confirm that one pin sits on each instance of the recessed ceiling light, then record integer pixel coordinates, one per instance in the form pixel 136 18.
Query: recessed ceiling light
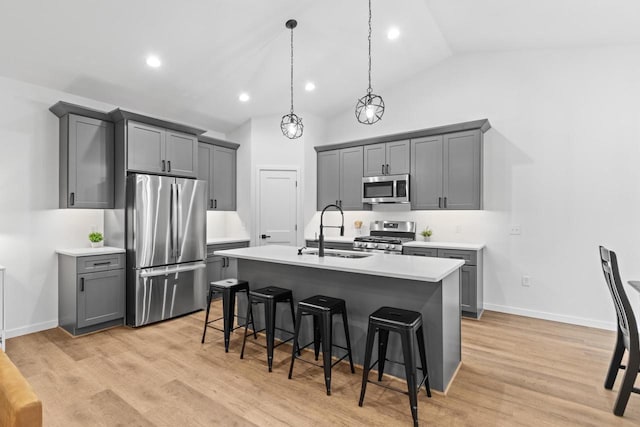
pixel 244 97
pixel 153 61
pixel 393 33
pixel 310 86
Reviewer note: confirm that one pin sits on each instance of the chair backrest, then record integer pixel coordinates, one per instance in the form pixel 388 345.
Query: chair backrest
pixel 627 325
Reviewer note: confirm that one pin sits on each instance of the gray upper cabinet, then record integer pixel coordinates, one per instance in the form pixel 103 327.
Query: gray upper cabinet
pixel 426 173
pixel 328 178
pixel 351 179
pixel 462 183
pixel 217 166
pixel 157 150
pixel 375 159
pixel 86 162
pixel 340 178
pixel 391 158
pixel 145 146
pixel 181 154
pixel 446 171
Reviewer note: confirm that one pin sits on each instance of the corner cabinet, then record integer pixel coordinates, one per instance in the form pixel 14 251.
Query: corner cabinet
pixel 340 179
pixel 220 268
pixel 163 151
pixel 471 285
pixel 446 171
pixel 91 292
pixel 86 179
pixel 217 166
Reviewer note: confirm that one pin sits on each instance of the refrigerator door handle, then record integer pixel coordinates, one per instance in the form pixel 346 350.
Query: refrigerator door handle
pixel 178 222
pixel 174 221
pixel 173 270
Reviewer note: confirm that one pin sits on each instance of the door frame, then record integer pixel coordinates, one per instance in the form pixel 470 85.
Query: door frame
pixel 256 206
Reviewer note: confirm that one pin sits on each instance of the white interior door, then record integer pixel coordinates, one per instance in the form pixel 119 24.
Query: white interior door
pixel 277 207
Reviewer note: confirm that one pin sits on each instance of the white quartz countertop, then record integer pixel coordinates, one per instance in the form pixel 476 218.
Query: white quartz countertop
pixel 106 250
pixel 446 245
pixel 335 239
pixel 220 240
pixel 400 266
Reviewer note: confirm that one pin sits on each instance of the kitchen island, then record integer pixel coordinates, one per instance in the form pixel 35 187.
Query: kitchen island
pixel 430 286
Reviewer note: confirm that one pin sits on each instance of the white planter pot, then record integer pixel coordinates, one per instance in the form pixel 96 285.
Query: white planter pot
pixel 97 244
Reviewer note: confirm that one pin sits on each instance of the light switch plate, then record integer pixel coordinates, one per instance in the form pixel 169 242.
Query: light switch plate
pixel 515 230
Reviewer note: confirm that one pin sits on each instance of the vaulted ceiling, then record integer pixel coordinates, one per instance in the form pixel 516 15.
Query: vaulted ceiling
pixel 212 50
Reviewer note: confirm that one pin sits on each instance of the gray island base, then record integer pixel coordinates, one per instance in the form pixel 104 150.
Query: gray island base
pixel 438 299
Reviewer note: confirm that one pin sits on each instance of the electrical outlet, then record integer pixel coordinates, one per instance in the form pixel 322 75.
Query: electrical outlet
pixel 514 230
pixel 526 281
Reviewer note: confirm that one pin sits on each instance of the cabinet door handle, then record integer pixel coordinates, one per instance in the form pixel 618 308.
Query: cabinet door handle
pixel 72 198
pixel 82 284
pixel 101 263
pixel 439 202
pixel 215 203
pixel 211 203
pixel 340 203
pixel 445 203
pixel 169 166
pixel 382 169
pixel 163 166
pixel 387 169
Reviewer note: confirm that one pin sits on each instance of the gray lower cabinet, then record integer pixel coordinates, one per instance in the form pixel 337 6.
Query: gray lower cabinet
pixel 345 246
pixel 390 158
pixel 220 268
pixel 217 166
pixel 340 175
pixel 86 163
pixel 446 171
pixel 91 292
pixel 157 150
pixel 471 285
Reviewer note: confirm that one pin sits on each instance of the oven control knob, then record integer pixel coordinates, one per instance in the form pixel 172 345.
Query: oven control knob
pixel 357 244
pixel 391 247
pixel 372 245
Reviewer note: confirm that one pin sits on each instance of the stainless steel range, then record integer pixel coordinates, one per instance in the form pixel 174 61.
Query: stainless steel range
pixel 386 236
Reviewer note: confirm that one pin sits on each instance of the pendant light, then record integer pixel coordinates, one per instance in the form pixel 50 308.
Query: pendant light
pixel 370 108
pixel 291 125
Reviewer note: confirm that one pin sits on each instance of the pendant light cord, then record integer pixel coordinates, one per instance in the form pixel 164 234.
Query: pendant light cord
pixel 292 71
pixel 368 90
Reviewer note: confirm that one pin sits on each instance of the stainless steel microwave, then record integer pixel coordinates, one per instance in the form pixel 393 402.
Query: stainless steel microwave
pixel 385 189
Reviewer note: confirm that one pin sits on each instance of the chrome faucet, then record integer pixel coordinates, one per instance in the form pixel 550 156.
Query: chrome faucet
pixel 321 240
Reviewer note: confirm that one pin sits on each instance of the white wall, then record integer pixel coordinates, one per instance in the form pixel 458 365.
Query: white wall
pixel 560 160
pixel 263 145
pixel 31 225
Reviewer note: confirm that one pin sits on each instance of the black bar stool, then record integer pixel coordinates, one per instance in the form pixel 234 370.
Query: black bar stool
pixel 270 297
pixel 406 323
pixel 322 309
pixel 228 288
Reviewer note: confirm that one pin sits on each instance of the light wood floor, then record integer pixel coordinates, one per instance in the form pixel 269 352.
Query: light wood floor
pixel 516 371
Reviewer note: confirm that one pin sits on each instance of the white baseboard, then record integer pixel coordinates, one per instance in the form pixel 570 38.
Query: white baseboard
pixel 29 329
pixel 581 321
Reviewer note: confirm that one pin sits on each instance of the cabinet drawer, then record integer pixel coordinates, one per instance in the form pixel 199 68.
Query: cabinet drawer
pixel 223 246
pixel 90 264
pixel 469 257
pixel 430 252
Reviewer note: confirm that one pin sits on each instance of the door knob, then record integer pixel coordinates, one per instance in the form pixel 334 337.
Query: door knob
pixel 264 236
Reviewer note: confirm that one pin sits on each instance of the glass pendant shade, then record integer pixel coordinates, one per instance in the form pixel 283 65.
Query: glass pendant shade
pixel 369 109
pixel 291 126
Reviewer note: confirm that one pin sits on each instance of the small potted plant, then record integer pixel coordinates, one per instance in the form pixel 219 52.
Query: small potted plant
pixel 426 234
pixel 96 239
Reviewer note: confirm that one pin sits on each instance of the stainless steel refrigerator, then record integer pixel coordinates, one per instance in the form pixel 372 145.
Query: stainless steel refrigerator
pixel 166 247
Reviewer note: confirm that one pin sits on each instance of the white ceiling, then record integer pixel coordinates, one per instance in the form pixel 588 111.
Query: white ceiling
pixel 214 49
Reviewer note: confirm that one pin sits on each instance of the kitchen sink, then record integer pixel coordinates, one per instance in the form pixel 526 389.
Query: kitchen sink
pixel 339 254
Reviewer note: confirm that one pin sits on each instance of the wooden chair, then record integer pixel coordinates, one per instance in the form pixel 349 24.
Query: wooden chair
pixel 627 334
